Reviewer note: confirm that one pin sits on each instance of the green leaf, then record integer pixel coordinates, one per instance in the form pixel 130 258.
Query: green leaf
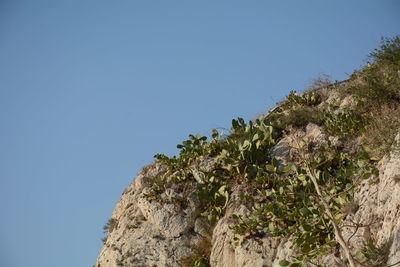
pixel 255 137
pixel 307 227
pixel 366 175
pixel 302 177
pixel 304 211
pixel 235 124
pixel 222 190
pixel 270 168
pixel 281 190
pixel 360 255
pixel 286 169
pixel 271 226
pixel 375 171
pixel 214 133
pixel 302 144
pixel 284 263
pixel 268 193
pixel 246 144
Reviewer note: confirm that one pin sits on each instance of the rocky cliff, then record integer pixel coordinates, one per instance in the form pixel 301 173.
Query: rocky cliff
pixel 249 198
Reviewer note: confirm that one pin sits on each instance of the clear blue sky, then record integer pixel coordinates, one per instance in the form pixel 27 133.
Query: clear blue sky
pixel 91 90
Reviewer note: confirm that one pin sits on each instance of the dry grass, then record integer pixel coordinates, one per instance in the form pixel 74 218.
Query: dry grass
pixel 319 82
pixel 380 133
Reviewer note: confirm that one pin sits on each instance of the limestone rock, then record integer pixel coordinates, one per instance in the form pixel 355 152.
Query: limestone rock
pixel 379 212
pixel 148 233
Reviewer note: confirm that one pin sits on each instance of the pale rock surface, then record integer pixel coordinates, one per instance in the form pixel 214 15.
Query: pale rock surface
pixel 257 251
pixel 379 212
pixel 148 233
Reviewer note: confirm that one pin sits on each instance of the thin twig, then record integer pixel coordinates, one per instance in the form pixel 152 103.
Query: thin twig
pixel 355 231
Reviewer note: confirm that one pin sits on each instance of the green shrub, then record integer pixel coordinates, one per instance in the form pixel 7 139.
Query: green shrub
pixel 345 123
pixel 298 117
pixel 388 52
pixel 308 99
pixel 213 194
pixel 291 205
pixel 379 81
pixel 297 111
pixel 242 155
pixel 157 186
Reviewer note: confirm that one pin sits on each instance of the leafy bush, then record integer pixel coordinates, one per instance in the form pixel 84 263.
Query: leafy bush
pixel 308 99
pixel 298 117
pixel 247 150
pixel 380 79
pixel 214 195
pixel 388 52
pixel 344 123
pixel 157 186
pixel 291 205
pixel 243 155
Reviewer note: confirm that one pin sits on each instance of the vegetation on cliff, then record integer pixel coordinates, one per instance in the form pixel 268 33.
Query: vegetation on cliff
pixel 308 194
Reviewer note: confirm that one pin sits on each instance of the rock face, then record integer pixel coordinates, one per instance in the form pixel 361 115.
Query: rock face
pixel 379 212
pixel 145 232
